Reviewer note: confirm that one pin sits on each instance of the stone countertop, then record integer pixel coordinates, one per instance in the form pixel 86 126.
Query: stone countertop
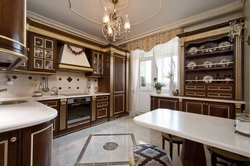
pixel 196 98
pixel 30 113
pixel 50 97
pixel 208 130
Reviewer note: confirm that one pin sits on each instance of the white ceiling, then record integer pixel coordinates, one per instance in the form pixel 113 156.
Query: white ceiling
pixel 146 16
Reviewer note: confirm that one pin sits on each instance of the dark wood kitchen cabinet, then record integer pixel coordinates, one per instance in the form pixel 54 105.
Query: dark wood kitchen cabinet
pixel 115 82
pixel 96 59
pixel 54 104
pixel 13 32
pixel 100 109
pixel 219 109
pixel 42 53
pixel 164 102
pixel 27 146
pixel 9 148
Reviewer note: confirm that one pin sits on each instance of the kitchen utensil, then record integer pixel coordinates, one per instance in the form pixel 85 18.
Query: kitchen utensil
pixel 46 88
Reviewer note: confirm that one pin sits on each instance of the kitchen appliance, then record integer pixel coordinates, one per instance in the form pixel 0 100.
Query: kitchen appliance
pixel 79 109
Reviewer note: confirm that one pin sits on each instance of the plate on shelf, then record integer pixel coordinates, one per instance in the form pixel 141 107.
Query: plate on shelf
pixel 191 65
pixel 225 45
pixel 208 79
pixel 224 62
pixel 208 47
pixel 208 64
pixel 193 50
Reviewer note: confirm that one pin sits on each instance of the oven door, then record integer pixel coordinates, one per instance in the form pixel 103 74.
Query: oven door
pixel 78 110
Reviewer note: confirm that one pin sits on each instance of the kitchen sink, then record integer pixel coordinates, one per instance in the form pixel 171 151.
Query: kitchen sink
pixel 9 102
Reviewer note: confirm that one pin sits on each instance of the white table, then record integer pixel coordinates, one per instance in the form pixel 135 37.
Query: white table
pixel 208 130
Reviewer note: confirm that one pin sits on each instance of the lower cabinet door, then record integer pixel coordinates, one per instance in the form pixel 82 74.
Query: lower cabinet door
pixel 193 106
pixel 224 110
pixel 37 143
pixel 167 103
pixel 8 148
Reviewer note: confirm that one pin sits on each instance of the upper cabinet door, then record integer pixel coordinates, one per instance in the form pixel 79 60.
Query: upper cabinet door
pixel 119 73
pixel 42 54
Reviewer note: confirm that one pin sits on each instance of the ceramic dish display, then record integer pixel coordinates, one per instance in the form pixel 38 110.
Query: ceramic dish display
pixel 208 79
pixel 209 47
pixel 193 50
pixel 225 45
pixel 208 64
pixel 191 65
pixel 224 62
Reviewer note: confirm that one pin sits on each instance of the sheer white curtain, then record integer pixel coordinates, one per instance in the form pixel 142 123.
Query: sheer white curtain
pixel 167 62
pixel 134 72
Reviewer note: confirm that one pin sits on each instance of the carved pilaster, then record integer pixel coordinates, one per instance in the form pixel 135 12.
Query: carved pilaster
pixel 238 108
pixel 182 69
pixel 238 69
pixel 180 104
pixel 127 83
pixel 93 106
pixel 111 106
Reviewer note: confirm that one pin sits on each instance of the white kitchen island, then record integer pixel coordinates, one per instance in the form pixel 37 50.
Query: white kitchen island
pixel 208 130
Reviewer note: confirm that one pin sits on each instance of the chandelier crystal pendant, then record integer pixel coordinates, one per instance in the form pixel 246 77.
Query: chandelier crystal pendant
pixel 113 26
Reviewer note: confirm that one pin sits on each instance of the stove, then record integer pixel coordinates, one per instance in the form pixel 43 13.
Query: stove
pixel 74 94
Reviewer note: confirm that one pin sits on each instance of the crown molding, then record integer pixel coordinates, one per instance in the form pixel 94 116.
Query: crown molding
pixel 188 21
pixel 64 28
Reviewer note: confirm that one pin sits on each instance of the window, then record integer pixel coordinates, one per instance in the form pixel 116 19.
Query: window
pixel 146 68
pixel 145 73
pixel 167 62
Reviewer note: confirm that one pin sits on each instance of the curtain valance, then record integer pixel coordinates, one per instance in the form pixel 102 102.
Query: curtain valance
pixel 148 43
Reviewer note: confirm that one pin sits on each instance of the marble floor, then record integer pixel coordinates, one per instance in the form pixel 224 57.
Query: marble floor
pixel 66 149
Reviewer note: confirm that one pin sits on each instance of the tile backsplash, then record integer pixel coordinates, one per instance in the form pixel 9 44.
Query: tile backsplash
pixel 25 84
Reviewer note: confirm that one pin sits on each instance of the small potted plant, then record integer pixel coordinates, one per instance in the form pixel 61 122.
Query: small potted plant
pixel 158 85
pixel 143 81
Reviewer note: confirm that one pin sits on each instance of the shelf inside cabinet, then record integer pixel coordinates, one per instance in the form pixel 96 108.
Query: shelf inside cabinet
pixel 215 53
pixel 209 69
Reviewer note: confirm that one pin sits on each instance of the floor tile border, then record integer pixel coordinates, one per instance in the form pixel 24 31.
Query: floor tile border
pixel 103 163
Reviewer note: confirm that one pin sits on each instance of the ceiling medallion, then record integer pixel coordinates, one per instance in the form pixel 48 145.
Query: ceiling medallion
pixel 119 5
pixel 114 27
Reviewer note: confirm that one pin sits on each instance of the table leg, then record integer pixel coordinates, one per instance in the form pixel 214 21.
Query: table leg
pixel 193 154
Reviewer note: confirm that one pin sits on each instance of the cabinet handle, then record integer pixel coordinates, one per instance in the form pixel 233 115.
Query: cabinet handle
pixel 203 103
pixel 13 139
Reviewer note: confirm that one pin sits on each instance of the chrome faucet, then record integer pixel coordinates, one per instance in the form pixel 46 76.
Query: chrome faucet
pixel 3 90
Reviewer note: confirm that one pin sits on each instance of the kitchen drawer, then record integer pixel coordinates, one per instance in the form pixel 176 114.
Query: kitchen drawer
pixel 220 88
pixel 220 95
pixel 102 98
pixel 102 104
pixel 200 94
pixel 188 87
pixel 102 112
pixel 50 103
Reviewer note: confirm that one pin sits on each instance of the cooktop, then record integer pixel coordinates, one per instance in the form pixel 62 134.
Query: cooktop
pixel 74 94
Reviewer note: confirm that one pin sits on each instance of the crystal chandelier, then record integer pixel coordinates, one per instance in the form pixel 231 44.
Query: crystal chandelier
pixel 113 26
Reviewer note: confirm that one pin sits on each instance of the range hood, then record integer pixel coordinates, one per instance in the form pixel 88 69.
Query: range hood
pixel 67 60
pixel 10 60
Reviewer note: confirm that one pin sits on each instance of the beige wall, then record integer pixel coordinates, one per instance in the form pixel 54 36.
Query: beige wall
pixel 246 57
pixel 214 21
